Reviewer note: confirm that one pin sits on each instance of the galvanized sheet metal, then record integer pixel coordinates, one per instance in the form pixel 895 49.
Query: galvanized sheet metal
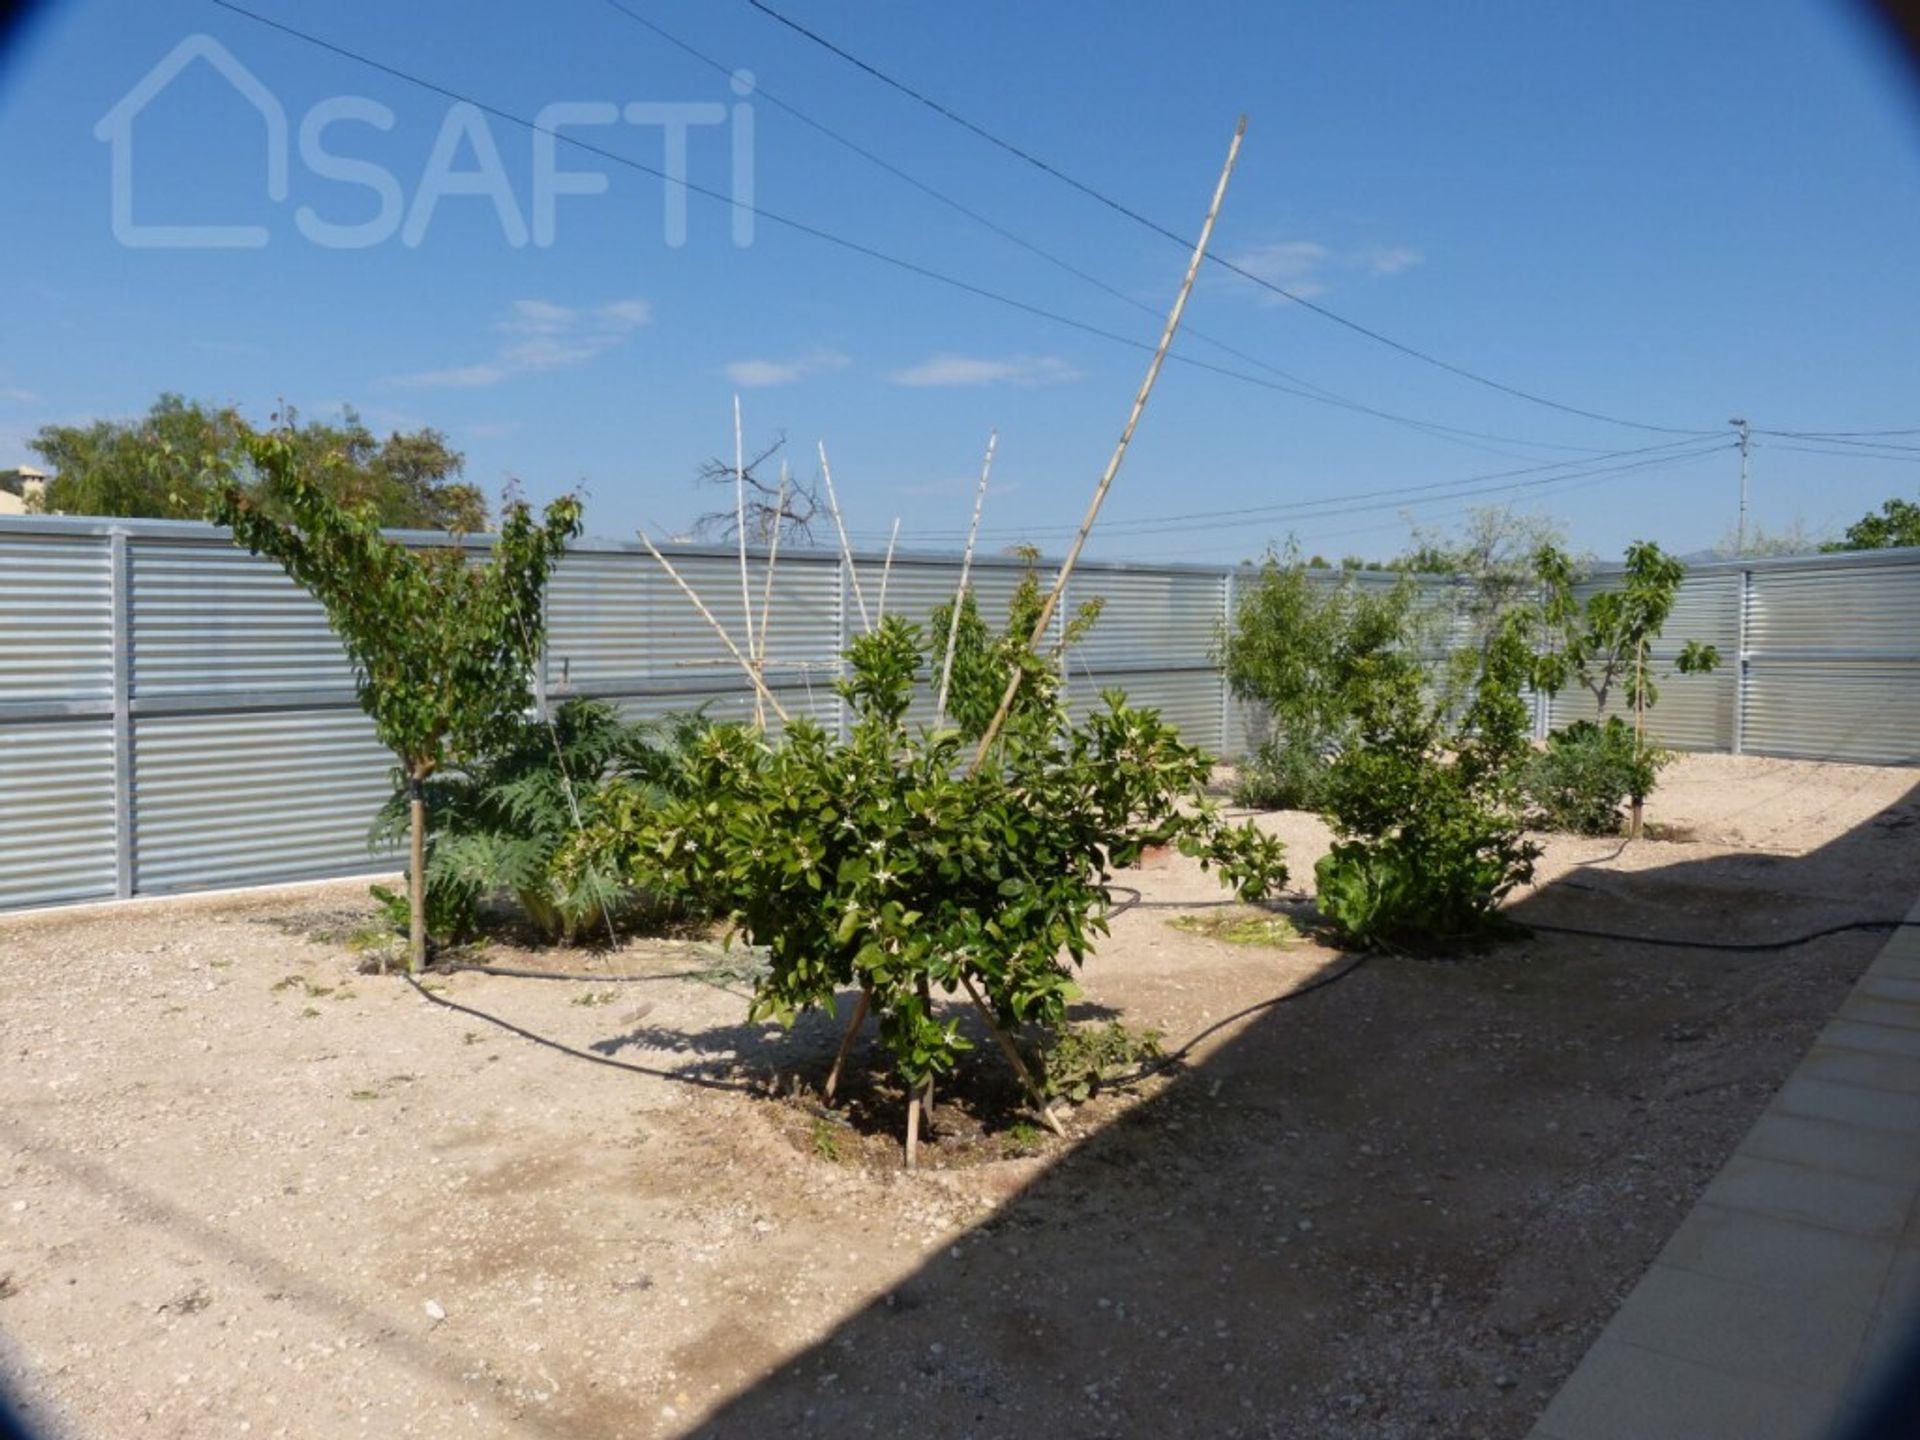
pixel 209 619
pixel 1864 712
pixel 1187 700
pixel 1834 662
pixel 1147 619
pixel 56 812
pixel 56 619
pixel 244 799
pixel 617 618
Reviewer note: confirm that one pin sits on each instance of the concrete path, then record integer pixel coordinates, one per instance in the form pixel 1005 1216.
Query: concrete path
pixel 1774 1302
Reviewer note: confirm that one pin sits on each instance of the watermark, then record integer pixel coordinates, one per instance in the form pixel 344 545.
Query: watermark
pixel 464 163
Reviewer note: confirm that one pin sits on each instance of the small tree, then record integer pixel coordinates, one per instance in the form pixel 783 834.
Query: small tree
pixel 1608 640
pixel 1311 650
pixel 442 650
pixel 1896 523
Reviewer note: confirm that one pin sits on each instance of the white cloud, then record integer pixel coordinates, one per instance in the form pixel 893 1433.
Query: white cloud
pixel 1390 259
pixel 542 336
pixel 758 374
pixel 951 370
pixel 1300 267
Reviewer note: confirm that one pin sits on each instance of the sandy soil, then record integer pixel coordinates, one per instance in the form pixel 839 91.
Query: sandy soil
pixel 245 1189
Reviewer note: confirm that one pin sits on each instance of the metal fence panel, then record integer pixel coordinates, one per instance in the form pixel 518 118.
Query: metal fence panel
pixel 56 619
pixel 210 619
pixel 1834 663
pixel 56 812
pixel 1189 700
pixel 241 799
pixel 195 728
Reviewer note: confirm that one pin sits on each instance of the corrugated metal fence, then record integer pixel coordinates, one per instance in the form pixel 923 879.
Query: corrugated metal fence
pixel 175 715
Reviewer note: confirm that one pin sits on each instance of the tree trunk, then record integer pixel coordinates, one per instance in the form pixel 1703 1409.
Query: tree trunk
pixel 417 877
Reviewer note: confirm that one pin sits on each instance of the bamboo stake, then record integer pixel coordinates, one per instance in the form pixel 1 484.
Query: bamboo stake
pixel 740 534
pixel 846 550
pixel 718 629
pixel 773 558
pixel 966 565
pixel 860 1009
pixel 886 570
pixel 1119 450
pixel 1008 1049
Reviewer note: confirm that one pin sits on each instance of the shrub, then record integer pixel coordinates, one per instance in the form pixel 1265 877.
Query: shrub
pixel 1425 808
pixel 1588 774
pixel 497 826
pixel 887 864
pixel 1283 774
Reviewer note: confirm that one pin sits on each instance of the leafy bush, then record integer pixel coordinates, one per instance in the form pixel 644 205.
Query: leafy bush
pixel 1587 775
pixel 498 825
pixel 1288 773
pixel 888 864
pixel 1310 652
pixel 1425 808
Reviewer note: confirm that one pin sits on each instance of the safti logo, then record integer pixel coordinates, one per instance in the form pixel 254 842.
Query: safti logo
pixel 463 162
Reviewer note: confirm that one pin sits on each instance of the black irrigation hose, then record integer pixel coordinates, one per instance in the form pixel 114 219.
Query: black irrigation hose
pixel 466 967
pixel 699 1081
pixel 1136 901
pixel 1751 947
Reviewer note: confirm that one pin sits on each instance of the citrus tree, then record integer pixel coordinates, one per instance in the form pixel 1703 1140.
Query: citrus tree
pixel 442 649
pixel 886 865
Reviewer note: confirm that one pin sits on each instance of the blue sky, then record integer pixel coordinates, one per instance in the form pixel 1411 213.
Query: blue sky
pixel 1667 213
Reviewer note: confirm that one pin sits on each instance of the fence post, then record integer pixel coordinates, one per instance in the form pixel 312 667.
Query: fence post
pixel 1741 661
pixel 120 599
pixel 840 649
pixel 1226 639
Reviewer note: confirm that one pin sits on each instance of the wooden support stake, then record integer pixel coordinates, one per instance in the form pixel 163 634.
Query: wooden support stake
pixel 966 566
pixel 886 570
pixel 913 1132
pixel 1008 1049
pixel 860 1009
pixel 773 558
pixel 740 534
pixel 718 629
pixel 1120 450
pixel 846 550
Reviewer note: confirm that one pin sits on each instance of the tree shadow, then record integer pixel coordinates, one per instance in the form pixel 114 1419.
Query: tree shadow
pixel 1400 1206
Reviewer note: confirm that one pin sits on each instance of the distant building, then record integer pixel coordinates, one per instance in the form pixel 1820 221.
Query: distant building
pixel 20 487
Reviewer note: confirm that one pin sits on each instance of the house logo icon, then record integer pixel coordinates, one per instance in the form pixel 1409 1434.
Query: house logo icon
pixel 117 126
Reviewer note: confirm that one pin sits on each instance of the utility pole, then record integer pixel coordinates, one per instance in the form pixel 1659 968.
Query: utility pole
pixel 1740 533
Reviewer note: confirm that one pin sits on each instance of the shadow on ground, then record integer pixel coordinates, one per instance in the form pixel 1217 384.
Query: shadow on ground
pixel 1400 1207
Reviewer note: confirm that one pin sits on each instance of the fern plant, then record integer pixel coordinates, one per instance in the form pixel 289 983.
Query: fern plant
pixel 499 823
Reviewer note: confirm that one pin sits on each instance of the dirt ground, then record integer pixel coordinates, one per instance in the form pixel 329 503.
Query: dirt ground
pixel 246 1189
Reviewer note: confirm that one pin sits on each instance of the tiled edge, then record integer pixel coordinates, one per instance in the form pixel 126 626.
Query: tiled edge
pixel 1799 1262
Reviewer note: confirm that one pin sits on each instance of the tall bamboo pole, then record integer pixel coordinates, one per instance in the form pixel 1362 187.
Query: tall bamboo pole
pixel 740 534
pixel 886 570
pixel 846 550
pixel 1119 450
pixel 966 566
pixel 725 639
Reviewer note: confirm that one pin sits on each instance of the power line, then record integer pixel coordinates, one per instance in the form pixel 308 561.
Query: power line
pixel 1309 390
pixel 816 232
pixel 1157 228
pixel 1398 496
pixel 1847 454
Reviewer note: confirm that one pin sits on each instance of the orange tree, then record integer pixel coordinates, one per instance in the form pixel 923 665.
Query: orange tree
pixel 883 864
pixel 442 650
